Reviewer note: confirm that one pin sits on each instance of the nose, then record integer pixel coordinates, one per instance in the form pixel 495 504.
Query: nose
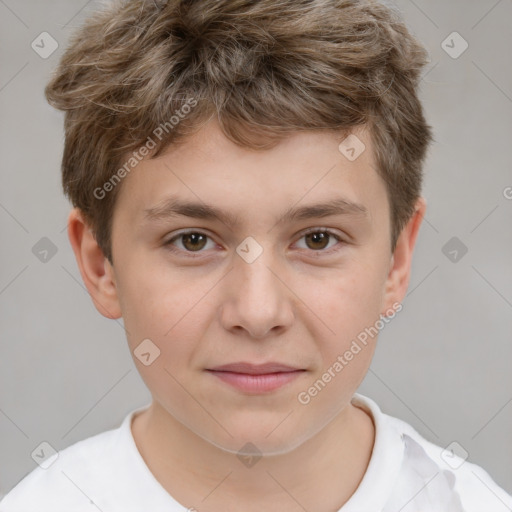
pixel 258 300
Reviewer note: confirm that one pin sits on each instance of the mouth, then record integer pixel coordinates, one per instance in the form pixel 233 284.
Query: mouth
pixel 256 379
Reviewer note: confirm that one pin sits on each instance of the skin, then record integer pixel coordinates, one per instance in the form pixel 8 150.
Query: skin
pixel 301 302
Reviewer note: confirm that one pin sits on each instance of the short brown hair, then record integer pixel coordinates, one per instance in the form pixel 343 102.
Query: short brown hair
pixel 264 68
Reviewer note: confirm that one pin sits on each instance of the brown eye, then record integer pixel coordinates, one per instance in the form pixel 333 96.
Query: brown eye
pixel 194 241
pixel 189 242
pixel 321 240
pixel 317 240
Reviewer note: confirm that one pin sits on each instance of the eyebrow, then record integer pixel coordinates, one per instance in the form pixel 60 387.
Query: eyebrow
pixel 173 207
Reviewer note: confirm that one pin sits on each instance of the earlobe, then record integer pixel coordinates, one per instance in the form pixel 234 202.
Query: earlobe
pixel 401 260
pixel 96 271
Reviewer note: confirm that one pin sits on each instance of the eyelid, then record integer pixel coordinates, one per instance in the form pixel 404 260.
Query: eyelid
pixel 329 231
pixel 168 244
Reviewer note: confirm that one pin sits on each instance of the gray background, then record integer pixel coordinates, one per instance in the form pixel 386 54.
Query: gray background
pixel 443 364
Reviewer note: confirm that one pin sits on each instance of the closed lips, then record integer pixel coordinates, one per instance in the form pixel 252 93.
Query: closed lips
pixel 251 369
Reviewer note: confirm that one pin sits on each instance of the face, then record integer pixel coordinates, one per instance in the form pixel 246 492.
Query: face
pixel 271 280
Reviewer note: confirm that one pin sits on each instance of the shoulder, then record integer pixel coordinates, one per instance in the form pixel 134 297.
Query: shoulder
pixel 471 483
pixel 68 480
pixel 434 477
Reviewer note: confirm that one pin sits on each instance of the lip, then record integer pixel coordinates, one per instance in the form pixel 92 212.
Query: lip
pixel 256 379
pixel 254 369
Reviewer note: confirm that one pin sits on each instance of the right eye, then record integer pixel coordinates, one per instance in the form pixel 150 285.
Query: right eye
pixel 191 241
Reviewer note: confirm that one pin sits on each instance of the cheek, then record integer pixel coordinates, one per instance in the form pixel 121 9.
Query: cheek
pixel 167 309
pixel 349 301
pixel 348 307
pixel 149 296
pixel 345 339
pixel 170 322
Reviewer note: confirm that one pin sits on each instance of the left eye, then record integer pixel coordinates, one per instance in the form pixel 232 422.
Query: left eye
pixel 194 241
pixel 319 239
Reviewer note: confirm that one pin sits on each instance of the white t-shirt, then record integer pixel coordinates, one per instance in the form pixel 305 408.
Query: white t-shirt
pixel 406 473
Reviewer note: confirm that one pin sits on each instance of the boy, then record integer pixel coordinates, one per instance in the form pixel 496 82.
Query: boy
pixel 285 141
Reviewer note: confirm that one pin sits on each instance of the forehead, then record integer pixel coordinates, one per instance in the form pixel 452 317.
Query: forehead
pixel 208 176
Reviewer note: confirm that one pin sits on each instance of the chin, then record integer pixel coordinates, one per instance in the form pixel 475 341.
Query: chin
pixel 256 438
pixel 246 446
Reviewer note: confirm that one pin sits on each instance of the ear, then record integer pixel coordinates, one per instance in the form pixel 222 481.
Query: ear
pixel 400 266
pixel 96 271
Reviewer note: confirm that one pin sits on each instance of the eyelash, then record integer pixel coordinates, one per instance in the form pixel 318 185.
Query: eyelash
pixel 191 254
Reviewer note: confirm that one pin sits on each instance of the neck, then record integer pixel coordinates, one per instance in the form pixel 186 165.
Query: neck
pixel 321 474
